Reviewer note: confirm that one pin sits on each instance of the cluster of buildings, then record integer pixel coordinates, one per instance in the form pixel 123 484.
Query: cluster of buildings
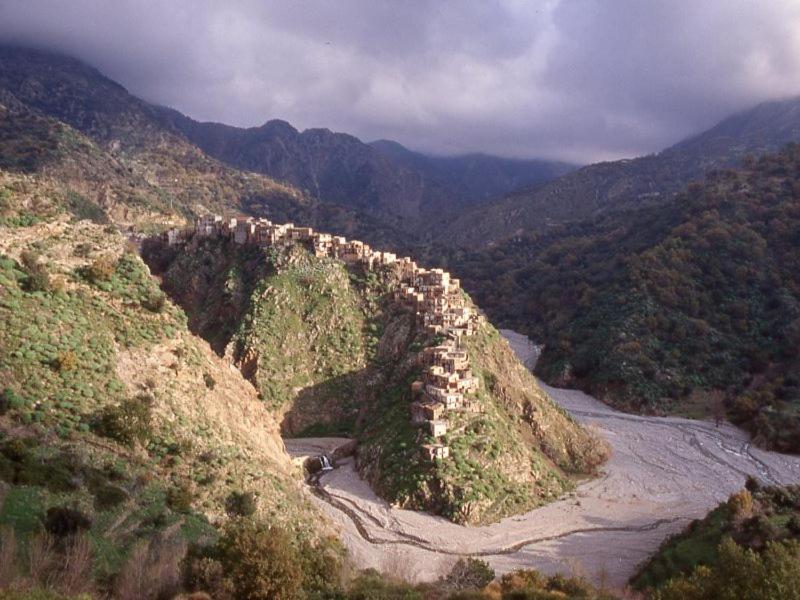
pixel 435 298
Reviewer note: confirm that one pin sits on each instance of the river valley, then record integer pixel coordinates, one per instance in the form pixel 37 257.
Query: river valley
pixel 664 472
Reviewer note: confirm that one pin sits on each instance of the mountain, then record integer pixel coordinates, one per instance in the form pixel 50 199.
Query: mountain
pixel 124 438
pixel 63 118
pixel 473 178
pixel 593 190
pixel 402 188
pixel 691 306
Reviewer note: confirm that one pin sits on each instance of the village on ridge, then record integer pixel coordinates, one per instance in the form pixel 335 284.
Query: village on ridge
pixel 448 383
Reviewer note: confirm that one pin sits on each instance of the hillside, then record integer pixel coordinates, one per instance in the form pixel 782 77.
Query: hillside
pixel 331 351
pixel 608 186
pixel 688 307
pixel 123 438
pixel 398 187
pixel 746 543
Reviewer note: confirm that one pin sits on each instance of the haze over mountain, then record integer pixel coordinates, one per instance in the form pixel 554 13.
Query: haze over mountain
pixel 383 179
pixel 199 402
pixel 593 190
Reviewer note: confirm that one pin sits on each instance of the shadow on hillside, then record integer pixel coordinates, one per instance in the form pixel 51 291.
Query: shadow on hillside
pixel 331 408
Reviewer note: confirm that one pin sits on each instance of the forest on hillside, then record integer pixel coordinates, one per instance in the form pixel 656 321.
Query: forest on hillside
pixel 691 307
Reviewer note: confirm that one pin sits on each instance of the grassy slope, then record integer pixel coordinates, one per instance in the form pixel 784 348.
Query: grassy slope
pixel 209 434
pixel 331 353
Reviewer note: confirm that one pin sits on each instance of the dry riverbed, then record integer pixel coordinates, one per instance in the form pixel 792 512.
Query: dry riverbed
pixel 663 473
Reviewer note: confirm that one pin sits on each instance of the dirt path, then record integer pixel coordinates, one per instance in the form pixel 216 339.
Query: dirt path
pixel 663 473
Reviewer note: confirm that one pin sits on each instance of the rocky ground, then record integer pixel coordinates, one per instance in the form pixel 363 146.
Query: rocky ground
pixel 663 473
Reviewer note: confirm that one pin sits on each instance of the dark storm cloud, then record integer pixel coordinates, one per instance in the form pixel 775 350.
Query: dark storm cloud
pixel 572 79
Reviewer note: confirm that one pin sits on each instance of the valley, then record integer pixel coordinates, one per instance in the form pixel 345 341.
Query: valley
pixel 663 473
pixel 209 390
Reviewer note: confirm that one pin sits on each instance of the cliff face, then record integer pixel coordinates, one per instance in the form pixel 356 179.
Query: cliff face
pixel 334 348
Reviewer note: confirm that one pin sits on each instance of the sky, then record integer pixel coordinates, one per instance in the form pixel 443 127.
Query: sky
pixel 575 80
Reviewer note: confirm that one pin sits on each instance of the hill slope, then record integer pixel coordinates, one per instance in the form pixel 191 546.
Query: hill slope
pixel 332 352
pixel 115 421
pixel 593 190
pixel 673 307
pixel 743 545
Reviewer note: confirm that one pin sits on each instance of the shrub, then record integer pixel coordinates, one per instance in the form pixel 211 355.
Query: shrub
pixel 101 269
pixel 752 484
pixel 38 279
pixel 109 496
pixel 154 301
pixel 62 521
pixel 741 504
pixel 240 504
pixel 470 573
pixel 210 382
pixel 10 400
pixel 152 570
pixel 260 561
pixel 128 422
pixel 180 498
pixel 208 575
pixel 66 361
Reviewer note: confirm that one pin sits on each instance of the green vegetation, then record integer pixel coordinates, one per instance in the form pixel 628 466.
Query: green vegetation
pixel 109 437
pixel 692 306
pixel 751 521
pixel 305 330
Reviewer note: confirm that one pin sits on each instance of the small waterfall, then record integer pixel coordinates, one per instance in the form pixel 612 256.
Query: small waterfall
pixel 326 463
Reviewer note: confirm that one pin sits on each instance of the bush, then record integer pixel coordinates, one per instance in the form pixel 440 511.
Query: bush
pixel 210 382
pixel 752 484
pixel 240 504
pixel 741 504
pixel 741 573
pixel 154 301
pixel 109 496
pixel 62 521
pixel 128 422
pixel 66 361
pixel 10 400
pixel 180 498
pixel 38 279
pixel 101 269
pixel 260 561
pixel 470 573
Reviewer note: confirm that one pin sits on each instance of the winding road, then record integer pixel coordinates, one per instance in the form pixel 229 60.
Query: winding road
pixel 664 472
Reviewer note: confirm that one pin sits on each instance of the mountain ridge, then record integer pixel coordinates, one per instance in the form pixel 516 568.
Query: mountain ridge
pixel 595 189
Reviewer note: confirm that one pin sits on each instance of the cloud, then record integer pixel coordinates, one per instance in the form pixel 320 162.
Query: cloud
pixel 573 79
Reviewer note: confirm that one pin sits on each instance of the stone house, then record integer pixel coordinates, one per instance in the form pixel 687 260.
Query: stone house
pixel 435 451
pixel 243 231
pixel 208 226
pixel 437 428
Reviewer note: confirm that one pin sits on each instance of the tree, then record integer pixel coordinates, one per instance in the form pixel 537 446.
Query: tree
pixel 260 561
pixel 470 573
